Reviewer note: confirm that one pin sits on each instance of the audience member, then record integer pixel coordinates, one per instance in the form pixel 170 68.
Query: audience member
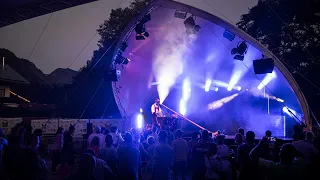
pixel 98 134
pixel 101 171
pixel 305 147
pixel 198 155
pixel 241 131
pixel 268 133
pixel 246 167
pixel 95 145
pixel 238 139
pixel 35 142
pixel 117 138
pixel 214 164
pixel 56 153
pixel 128 159
pixel 85 168
pixel 109 154
pixel 152 143
pixel 162 156
pixel 67 152
pixel 180 154
pixel 287 168
pixel 155 134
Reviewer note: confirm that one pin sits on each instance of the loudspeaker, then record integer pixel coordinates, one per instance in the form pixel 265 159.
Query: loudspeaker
pixel 263 66
pixel 89 128
pixel 113 75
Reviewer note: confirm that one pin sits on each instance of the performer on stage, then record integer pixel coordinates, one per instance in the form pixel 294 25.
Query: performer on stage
pixel 156 112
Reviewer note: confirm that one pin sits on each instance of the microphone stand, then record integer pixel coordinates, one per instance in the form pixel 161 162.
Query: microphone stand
pixel 180 115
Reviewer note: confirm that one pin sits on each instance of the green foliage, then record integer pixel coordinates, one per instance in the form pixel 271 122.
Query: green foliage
pixel 85 84
pixel 291 30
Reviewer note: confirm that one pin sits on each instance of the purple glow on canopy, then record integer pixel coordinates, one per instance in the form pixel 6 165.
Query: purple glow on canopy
pixel 160 64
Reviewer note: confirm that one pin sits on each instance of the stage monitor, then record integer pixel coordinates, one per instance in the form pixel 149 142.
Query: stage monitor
pixel 263 66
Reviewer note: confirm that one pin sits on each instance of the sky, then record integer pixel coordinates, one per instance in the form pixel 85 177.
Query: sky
pixel 69 31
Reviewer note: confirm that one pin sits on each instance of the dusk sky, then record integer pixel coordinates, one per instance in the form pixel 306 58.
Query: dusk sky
pixel 71 29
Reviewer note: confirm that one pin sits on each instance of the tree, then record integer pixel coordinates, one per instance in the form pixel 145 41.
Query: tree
pixel 91 75
pixel 291 30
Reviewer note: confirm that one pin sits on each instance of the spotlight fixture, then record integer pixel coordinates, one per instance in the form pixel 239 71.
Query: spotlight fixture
pixel 228 35
pixel 191 26
pixel 123 47
pixel 180 14
pixel 122 60
pixel 140 29
pixel 240 51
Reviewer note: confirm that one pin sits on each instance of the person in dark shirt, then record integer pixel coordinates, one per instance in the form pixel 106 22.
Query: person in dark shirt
pixel 198 154
pixel 67 152
pixel 244 163
pixel 85 168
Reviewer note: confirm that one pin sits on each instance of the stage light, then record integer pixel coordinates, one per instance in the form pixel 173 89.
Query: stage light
pixel 123 47
pixel 216 89
pixel 266 80
pixel 234 80
pixel 113 75
pixel 207 85
pixel 186 92
pixel 141 111
pixel 240 51
pixel 219 103
pixel 289 111
pixel 191 26
pixel 180 14
pixel 122 60
pixel 139 121
pixel 182 107
pixel 228 35
pixel 239 88
pixel 140 28
pixel 280 100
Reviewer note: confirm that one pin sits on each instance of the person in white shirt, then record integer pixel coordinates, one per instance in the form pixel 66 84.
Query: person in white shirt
pixel 180 155
pixel 224 153
pixel 156 112
pixel 99 135
pixel 116 137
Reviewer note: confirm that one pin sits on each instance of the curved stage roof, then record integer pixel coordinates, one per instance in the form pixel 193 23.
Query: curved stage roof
pixel 179 68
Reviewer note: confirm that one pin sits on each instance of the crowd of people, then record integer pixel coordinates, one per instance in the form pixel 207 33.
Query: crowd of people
pixel 157 154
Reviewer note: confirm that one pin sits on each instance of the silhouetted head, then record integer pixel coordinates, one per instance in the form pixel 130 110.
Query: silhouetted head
pixel 128 137
pixel 268 133
pixel 151 140
pixel 287 153
pixel 205 135
pixel 213 149
pixel 163 136
pixel 178 133
pixel 98 129
pixel 241 131
pixel 220 139
pixel 108 140
pixel 250 136
pixel 95 141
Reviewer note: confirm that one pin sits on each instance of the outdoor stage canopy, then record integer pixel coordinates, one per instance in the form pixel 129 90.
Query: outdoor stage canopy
pixel 190 60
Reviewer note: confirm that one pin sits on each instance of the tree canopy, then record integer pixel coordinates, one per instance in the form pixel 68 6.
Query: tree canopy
pixel 91 75
pixel 291 30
